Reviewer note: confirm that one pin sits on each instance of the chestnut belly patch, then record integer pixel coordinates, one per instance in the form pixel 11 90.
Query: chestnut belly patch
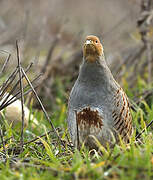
pixel 89 118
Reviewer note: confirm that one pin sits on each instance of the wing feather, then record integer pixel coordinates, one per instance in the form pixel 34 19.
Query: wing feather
pixel 122 119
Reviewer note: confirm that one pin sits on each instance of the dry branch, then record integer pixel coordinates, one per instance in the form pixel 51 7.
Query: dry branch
pixel 21 89
pixel 18 94
pixel 43 109
pixel 50 52
pixel 8 83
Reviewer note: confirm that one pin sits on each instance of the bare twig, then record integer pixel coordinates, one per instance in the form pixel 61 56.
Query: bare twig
pixel 8 82
pixel 21 89
pixel 50 52
pixel 11 100
pixel 138 136
pixel 5 64
pixel 35 139
pixel 43 109
pixel 13 88
pixel 16 98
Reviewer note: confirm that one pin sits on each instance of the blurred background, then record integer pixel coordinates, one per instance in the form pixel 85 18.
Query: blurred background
pixel 50 33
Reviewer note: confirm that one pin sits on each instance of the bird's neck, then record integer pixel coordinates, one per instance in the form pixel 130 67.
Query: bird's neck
pixel 94 72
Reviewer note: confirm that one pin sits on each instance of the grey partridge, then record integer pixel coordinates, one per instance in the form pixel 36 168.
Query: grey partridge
pixel 98 107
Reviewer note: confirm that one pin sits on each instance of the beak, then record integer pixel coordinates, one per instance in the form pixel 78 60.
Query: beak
pixel 88 42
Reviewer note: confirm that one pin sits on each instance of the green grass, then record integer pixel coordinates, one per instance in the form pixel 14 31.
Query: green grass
pixel 47 159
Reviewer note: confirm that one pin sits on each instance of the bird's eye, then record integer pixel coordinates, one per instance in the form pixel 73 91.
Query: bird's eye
pixel 96 41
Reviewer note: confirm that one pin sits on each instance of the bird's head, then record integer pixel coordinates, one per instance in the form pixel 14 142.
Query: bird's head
pixel 92 49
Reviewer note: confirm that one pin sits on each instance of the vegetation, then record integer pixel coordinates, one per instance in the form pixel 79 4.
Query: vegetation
pixel 46 158
pixel 43 150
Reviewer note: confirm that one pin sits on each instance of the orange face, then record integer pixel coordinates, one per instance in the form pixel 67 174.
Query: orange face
pixel 92 48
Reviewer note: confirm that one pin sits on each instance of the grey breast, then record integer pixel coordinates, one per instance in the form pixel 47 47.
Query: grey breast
pixel 94 88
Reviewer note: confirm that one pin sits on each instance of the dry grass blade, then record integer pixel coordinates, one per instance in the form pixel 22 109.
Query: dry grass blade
pixel 21 89
pixel 5 64
pixel 6 98
pixel 6 140
pixel 1 134
pixel 8 82
pixel 18 94
pixel 35 139
pixel 13 99
pixel 43 109
pixel 138 136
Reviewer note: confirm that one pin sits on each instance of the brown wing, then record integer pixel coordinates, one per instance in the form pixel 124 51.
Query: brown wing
pixel 122 119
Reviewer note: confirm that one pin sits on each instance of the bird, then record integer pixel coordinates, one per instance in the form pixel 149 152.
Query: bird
pixel 98 108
